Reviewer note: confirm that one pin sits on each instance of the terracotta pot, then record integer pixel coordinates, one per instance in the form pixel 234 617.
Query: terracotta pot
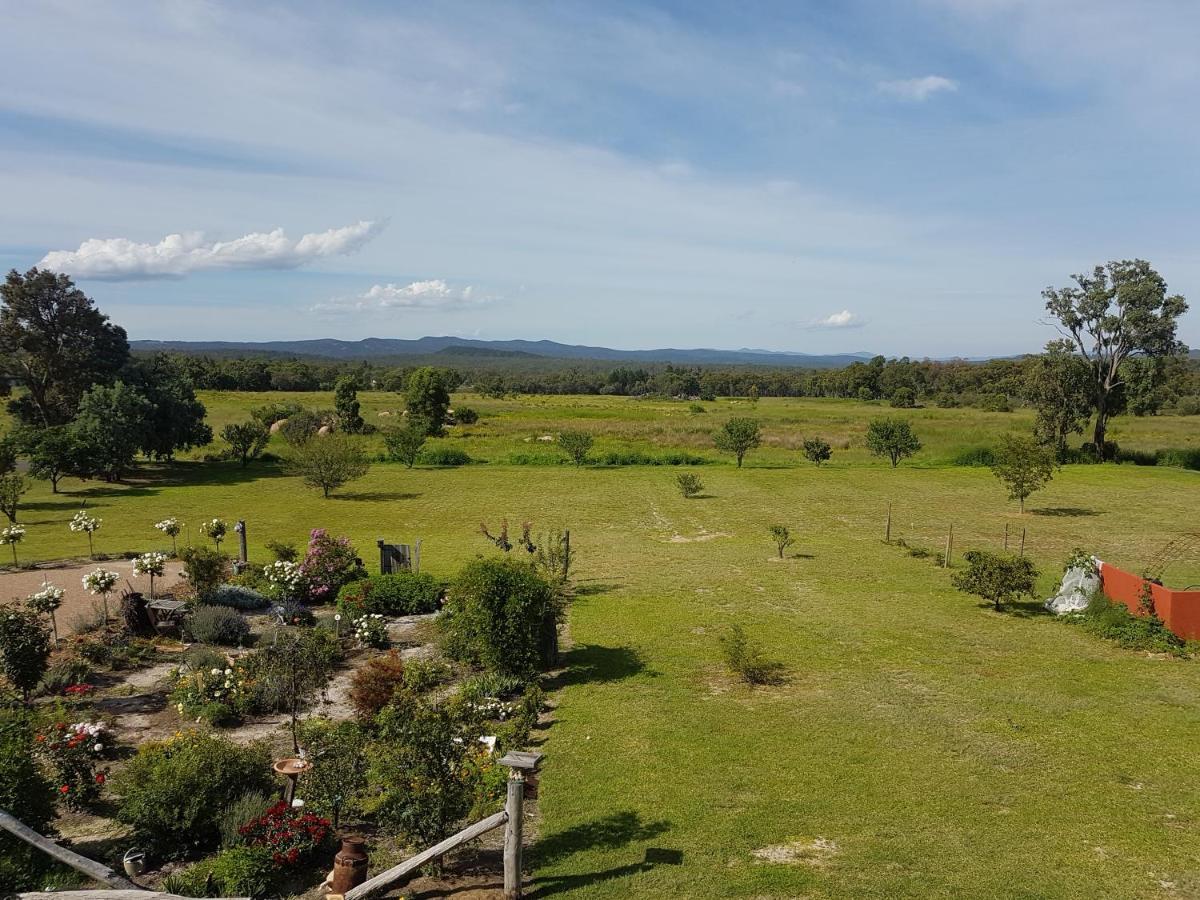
pixel 349 865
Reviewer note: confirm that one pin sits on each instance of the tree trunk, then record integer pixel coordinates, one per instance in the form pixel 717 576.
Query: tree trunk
pixel 1101 426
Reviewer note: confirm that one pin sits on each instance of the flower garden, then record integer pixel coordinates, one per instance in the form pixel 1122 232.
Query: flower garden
pixel 398 692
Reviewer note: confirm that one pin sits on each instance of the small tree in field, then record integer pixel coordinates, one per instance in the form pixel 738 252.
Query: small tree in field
pixel 689 484
pixel 739 437
pixel 576 444
pixel 782 537
pixel 246 440
pixel 1023 466
pixel 817 450
pixel 329 462
pixel 892 438
pixel 11 489
pixel 996 577
pixel 404 444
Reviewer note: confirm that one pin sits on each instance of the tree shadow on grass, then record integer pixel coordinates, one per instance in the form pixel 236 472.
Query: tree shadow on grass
pixel 606 833
pixel 597 587
pixel 1027 609
pixel 1065 512
pixel 375 496
pixel 592 664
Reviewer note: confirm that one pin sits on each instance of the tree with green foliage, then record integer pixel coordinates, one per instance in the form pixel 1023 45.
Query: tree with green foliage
pixel 24 647
pixel 782 537
pixel 110 429
pixel 301 427
pixel 427 398
pixel 246 440
pixel 903 398
pixel 56 343
pixel 293 668
pixel 12 488
pixel 892 438
pixel 176 419
pixel 817 450
pixel 1120 310
pixel 576 444
pixel 997 578
pixel 738 436
pixel 347 407
pixel 27 793
pixel 339 773
pixel 1058 384
pixel 328 462
pixel 1023 465
pixel 501 614
pixel 53 452
pixel 404 443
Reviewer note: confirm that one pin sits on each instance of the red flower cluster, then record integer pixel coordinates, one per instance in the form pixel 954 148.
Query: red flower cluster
pixel 77 690
pixel 289 836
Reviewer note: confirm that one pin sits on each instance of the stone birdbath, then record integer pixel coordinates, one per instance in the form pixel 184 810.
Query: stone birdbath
pixel 292 767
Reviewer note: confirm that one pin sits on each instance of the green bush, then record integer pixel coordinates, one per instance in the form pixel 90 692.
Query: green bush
pixel 173 791
pixel 24 647
pixel 250 805
pixel 993 403
pixel 1138 457
pixel 236 872
pixel 402 594
pixel 205 569
pixel 62 675
pixel 975 456
pixel 502 615
pixel 1187 406
pixel 745 660
pixel 24 791
pixel 217 625
pixel 1114 622
pixel 237 596
pixel 339 775
pixel 443 456
pixel 465 416
pixel 1186 458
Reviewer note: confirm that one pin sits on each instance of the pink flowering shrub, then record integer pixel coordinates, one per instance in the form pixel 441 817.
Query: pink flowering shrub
pixel 328 564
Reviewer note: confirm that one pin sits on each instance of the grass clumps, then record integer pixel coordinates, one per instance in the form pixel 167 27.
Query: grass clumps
pixel 746 660
pixel 1114 622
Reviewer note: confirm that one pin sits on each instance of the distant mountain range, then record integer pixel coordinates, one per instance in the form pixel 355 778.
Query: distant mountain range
pixel 389 348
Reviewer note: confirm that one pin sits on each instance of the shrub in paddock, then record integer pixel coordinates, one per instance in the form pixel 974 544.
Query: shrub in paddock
pixel 401 594
pixel 745 660
pixel 576 444
pixel 782 538
pixel 173 791
pixel 739 437
pixel 502 615
pixel 996 577
pixel 892 438
pixel 817 450
pixel 1114 622
pixel 217 625
pixel 464 415
pixel 445 457
pixel 689 484
pixel 405 444
pixel 975 456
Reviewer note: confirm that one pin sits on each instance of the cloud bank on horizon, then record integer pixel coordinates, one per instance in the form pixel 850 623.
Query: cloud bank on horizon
pixel 905 175
pixel 176 255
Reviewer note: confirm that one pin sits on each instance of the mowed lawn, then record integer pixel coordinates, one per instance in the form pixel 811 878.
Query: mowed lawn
pixel 922 746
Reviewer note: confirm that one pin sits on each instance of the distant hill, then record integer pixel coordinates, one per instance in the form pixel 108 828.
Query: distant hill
pixel 388 348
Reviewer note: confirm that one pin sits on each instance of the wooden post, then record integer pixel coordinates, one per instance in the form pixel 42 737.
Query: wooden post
pixel 417 557
pixel 1005 537
pixel 1022 541
pixel 887 533
pixel 949 547
pixel 240 528
pixel 566 552
pixel 514 806
pixel 385 567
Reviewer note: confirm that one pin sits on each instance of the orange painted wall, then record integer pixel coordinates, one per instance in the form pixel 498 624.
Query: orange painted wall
pixel 1180 610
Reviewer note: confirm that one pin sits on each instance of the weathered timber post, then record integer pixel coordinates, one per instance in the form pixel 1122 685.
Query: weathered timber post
pixel 1005 537
pixel 240 528
pixel 1022 542
pixel 416 558
pixel 566 553
pixel 887 532
pixel 949 545
pixel 519 763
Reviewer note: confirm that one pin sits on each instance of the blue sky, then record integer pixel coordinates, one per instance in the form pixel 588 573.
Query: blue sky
pixel 896 177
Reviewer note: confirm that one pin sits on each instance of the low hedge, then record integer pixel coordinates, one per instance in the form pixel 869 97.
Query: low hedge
pixel 405 594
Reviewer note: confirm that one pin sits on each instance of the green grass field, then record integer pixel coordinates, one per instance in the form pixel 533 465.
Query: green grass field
pixel 922 745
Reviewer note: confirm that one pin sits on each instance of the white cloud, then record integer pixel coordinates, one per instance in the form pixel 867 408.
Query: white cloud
pixel 422 295
pixel 843 319
pixel 176 255
pixel 917 88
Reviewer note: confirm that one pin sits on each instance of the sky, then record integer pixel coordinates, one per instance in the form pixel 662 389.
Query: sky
pixel 892 176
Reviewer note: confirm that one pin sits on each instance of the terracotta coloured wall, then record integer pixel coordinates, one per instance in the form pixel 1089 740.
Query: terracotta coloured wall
pixel 1179 609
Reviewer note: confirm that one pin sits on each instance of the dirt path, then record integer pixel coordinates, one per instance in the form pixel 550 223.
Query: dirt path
pixel 77 602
